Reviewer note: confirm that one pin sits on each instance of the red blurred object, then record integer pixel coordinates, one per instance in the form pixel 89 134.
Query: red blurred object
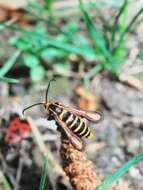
pixel 17 130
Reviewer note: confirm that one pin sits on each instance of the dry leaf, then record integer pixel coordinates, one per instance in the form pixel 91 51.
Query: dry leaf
pixel 86 100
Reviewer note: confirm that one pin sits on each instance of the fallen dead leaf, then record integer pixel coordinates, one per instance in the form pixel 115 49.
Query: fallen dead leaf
pixel 86 100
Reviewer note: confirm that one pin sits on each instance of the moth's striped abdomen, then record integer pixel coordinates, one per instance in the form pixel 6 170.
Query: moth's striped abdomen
pixel 76 124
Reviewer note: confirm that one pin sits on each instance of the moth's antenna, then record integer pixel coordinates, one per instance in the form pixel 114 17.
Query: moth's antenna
pixel 46 98
pixel 40 103
pixel 31 107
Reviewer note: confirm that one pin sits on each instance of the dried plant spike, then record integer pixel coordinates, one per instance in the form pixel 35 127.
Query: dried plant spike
pixel 78 168
pixel 81 172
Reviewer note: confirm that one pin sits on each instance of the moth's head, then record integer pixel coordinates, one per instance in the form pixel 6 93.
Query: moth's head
pixel 46 105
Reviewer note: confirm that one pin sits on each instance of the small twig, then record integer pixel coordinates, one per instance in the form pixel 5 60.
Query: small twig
pixel 45 151
pixel 19 173
pixel 134 70
pixel 132 81
pixel 6 169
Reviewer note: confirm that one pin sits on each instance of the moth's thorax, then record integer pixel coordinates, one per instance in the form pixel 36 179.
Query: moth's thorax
pixel 53 107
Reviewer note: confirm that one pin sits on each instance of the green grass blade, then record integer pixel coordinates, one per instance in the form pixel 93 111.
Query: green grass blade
pixel 48 4
pixel 9 63
pixel 9 80
pixel 119 172
pixel 96 38
pixel 71 48
pixel 44 174
pixel 129 26
pixel 116 22
pixel 4 183
pixel 50 41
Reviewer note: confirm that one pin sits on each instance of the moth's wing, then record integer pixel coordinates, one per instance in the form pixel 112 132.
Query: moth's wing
pixel 93 116
pixel 74 139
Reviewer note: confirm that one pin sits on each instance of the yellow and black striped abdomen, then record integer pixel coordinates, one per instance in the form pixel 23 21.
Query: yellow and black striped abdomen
pixel 76 124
